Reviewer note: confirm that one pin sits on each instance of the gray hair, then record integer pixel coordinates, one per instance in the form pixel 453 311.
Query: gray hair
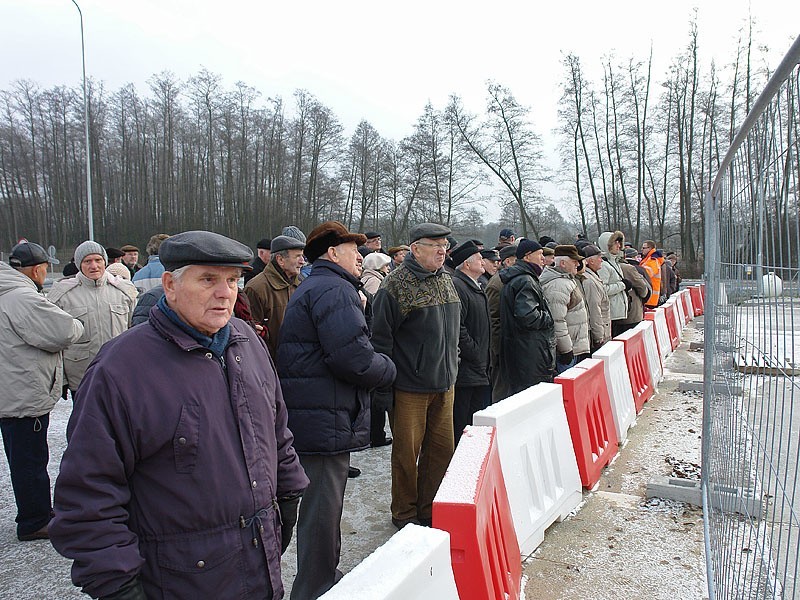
pixel 178 274
pixel 560 260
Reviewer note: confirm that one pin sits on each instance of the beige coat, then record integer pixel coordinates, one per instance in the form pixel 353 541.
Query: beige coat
pixel 568 308
pixel 269 293
pixel 597 306
pixel 105 308
pixel 372 280
pixel 33 333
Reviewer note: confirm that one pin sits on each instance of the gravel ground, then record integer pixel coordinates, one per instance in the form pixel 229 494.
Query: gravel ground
pixel 618 545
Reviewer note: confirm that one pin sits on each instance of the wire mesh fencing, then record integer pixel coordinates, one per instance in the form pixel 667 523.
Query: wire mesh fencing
pixel 751 426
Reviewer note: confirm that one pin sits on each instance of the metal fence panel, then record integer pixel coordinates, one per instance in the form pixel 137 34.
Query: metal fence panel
pixel 751 427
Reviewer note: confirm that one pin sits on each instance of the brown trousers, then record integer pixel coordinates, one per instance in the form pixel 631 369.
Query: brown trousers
pixel 422 426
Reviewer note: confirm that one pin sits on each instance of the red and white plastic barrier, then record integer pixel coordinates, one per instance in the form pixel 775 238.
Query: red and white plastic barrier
pixel 638 367
pixel 673 324
pixel 696 292
pixel 619 386
pixel 591 422
pixel 471 504
pixel 682 320
pixel 659 319
pixel 414 563
pixel 651 349
pixel 538 462
pixel 688 309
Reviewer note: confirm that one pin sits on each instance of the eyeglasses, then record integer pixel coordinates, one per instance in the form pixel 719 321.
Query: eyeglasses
pixel 445 246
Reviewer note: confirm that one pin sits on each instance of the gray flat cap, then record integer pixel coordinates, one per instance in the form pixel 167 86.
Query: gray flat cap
pixel 203 248
pixel 285 242
pixel 429 230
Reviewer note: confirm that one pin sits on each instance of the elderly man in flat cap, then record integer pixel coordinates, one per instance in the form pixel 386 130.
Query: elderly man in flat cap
pixel 416 323
pixel 270 290
pixel 567 305
pixel 472 391
pixel 33 333
pixel 181 483
pixel 527 342
pixel 327 367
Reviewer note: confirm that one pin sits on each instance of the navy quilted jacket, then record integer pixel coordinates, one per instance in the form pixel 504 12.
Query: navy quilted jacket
pixel 327 365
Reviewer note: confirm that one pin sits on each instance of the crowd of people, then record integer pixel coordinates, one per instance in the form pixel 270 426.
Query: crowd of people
pixel 186 476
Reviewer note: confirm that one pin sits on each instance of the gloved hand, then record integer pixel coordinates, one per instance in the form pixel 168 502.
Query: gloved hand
pixel 287 508
pixel 628 284
pixel 132 590
pixel 565 358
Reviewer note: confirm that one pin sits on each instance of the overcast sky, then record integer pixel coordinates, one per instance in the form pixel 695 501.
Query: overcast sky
pixel 381 61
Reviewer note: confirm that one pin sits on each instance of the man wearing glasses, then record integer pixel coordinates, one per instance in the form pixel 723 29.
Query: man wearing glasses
pixel 416 323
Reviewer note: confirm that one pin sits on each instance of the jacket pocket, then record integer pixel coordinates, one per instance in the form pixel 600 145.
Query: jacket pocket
pixel 202 565
pixel 119 318
pixel 420 358
pixel 186 441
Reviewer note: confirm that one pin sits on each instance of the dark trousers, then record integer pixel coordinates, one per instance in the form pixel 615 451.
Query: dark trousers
pixel 468 401
pixel 618 327
pixel 377 423
pixel 319 525
pixel 25 443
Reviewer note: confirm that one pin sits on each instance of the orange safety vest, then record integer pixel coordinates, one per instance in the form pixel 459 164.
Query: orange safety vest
pixel 652 264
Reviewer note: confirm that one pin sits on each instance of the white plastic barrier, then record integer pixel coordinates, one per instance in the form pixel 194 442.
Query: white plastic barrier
pixel 414 563
pixel 619 386
pixel 537 459
pixel 651 347
pixel 662 334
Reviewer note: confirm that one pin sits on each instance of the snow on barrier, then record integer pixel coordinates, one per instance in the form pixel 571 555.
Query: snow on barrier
pixel 697 300
pixel 619 386
pixel 659 319
pixel 651 349
pixel 591 422
pixel 471 504
pixel 673 323
pixel 638 367
pixel 538 462
pixel 688 309
pixel 414 563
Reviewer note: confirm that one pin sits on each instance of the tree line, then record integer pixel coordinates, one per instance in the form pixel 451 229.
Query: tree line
pixel 195 154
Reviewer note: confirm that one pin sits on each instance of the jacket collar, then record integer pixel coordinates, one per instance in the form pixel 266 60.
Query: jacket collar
pixel 181 338
pixel 410 262
pixel 84 280
pixel 470 281
pixel 324 267
pixel 277 278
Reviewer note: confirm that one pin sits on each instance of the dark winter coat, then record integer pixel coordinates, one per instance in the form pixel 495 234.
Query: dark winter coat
pixel 174 475
pixel 473 341
pixel 416 323
pixel 327 364
pixel 141 312
pixel 527 338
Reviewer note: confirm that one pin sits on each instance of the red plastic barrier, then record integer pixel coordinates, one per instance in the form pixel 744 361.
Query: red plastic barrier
pixel 687 306
pixel 703 292
pixel 697 299
pixel 638 367
pixel 591 421
pixel 472 505
pixel 672 326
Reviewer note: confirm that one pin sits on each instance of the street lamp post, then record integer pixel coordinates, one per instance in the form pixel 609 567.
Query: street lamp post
pixel 86 131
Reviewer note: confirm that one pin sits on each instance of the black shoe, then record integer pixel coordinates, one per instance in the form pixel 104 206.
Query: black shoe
pixel 384 442
pixel 353 472
pixel 41 534
pixel 400 523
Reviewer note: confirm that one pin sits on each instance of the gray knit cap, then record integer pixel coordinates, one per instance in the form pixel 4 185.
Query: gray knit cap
pixel 294 232
pixel 89 247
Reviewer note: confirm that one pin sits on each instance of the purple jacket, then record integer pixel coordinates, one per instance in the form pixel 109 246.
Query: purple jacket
pixel 174 473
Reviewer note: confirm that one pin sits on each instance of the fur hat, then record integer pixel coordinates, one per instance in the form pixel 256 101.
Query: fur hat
pixel 327 234
pixel 569 251
pixel 89 247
